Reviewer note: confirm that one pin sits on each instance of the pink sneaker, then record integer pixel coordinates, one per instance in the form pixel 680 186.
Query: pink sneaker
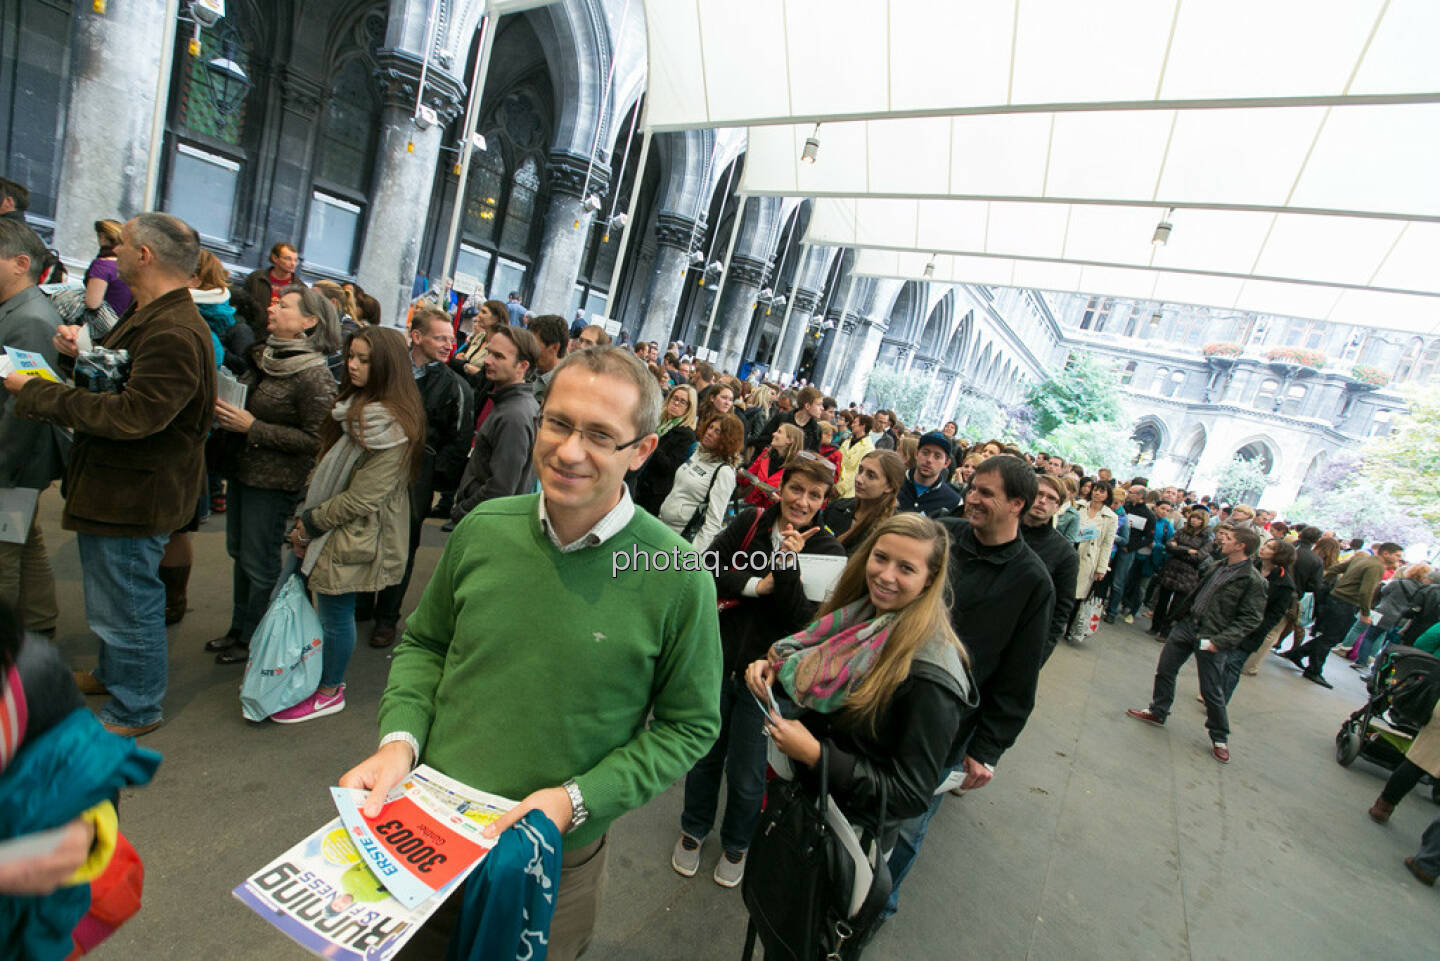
pixel 316 705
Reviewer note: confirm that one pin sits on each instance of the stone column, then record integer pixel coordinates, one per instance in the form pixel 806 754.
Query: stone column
pixel 118 60
pixel 787 358
pixel 737 306
pixel 835 353
pixel 404 180
pixel 673 233
pixel 567 230
pixel 831 342
pixel 857 376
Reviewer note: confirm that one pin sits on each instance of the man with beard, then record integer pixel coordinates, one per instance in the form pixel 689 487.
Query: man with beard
pixel 1055 551
pixel 1002 601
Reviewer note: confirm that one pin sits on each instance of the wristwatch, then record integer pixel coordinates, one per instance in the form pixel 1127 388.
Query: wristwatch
pixel 579 813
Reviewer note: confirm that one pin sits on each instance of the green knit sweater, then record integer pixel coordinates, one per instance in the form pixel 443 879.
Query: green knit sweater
pixel 523 666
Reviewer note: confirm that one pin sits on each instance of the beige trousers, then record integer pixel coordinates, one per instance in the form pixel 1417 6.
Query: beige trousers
pixel 27 584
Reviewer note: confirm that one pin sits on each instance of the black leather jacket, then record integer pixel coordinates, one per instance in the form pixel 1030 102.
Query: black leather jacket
pixel 906 756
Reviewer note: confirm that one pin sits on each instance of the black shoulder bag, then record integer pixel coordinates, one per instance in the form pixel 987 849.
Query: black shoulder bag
pixel 697 519
pixel 813 889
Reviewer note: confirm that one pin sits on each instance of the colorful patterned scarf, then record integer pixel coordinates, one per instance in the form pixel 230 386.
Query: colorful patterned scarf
pixel 821 664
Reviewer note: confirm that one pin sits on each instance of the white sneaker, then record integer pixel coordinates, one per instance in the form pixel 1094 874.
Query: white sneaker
pixel 728 872
pixel 685 859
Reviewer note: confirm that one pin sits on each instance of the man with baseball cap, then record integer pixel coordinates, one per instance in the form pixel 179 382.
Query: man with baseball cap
pixel 925 491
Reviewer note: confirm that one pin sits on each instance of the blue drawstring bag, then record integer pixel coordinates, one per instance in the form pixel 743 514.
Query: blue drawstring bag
pixel 284 666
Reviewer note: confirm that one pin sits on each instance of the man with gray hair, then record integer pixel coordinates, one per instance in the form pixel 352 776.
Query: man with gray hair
pixel 137 468
pixel 31 455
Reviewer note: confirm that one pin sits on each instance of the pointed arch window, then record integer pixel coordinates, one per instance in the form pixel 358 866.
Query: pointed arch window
pixel 339 196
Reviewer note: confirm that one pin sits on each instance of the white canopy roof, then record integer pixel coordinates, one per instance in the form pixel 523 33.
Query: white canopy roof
pixel 1043 140
pixel 717 63
pixel 1370 308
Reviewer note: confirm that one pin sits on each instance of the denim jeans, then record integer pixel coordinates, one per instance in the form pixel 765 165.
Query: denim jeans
pixel 907 846
pixel 738 754
pixel 125 606
pixel 1427 858
pixel 255 539
pixel 1374 641
pixel 337 625
pixel 1121 573
pixel 1233 665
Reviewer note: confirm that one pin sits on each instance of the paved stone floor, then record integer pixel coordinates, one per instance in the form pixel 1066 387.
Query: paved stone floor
pixel 1100 838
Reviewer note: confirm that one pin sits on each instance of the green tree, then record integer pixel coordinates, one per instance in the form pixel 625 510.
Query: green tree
pixel 1406 462
pixel 979 417
pixel 1083 392
pixel 905 394
pixel 1095 444
pixel 1240 480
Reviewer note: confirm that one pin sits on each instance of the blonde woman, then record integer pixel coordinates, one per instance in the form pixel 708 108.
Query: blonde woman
pixel 880 677
pixel 677 442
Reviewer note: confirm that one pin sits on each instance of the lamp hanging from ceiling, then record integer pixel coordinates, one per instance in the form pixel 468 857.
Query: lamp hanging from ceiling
pixel 811 149
pixel 1162 229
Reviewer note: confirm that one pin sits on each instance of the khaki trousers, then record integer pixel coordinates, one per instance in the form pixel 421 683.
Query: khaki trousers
pixel 1252 663
pixel 577 905
pixel 27 584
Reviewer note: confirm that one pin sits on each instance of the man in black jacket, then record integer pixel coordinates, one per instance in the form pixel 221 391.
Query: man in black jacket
pixel 449 419
pixel 1055 551
pixel 806 416
pixel 925 490
pixel 1211 622
pixel 499 464
pixel 1002 602
pixel 1308 572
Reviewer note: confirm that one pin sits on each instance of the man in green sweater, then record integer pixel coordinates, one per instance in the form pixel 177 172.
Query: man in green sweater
pixel 529 670
pixel 1355 584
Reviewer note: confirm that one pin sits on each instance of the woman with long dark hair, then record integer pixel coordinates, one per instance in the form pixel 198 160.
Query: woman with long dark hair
pixel 876 484
pixel 353 533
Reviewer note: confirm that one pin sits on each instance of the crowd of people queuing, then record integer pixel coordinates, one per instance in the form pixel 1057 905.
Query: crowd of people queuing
pixel 544 448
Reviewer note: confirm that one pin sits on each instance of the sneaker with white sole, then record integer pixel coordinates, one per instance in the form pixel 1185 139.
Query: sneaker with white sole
pixel 685 859
pixel 1129 618
pixel 730 870
pixel 316 705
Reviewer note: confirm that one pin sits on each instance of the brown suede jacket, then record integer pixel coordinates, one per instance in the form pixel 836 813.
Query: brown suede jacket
pixel 137 466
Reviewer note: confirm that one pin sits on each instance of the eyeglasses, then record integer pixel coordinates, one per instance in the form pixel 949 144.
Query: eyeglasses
pixel 595 441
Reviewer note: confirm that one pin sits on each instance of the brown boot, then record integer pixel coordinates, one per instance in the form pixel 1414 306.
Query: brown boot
pixel 1381 810
pixel 176 580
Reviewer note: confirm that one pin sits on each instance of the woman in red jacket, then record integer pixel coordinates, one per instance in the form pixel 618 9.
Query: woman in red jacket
pixel 761 482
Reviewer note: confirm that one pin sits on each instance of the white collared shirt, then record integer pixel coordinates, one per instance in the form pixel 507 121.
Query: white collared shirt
pixel 606 528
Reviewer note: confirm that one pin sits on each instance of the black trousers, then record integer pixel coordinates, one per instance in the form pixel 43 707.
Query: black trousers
pixel 1164 598
pixel 1402 782
pixel 1332 623
pixel 1179 646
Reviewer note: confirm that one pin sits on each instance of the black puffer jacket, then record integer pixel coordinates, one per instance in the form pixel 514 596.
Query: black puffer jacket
pixel 449 421
pixel 749 627
pixel 905 756
pixel 1424 612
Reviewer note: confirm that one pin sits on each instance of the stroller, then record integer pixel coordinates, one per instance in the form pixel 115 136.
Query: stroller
pixel 1403 691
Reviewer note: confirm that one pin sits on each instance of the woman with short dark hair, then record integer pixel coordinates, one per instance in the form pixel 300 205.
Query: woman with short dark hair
pixel 271 447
